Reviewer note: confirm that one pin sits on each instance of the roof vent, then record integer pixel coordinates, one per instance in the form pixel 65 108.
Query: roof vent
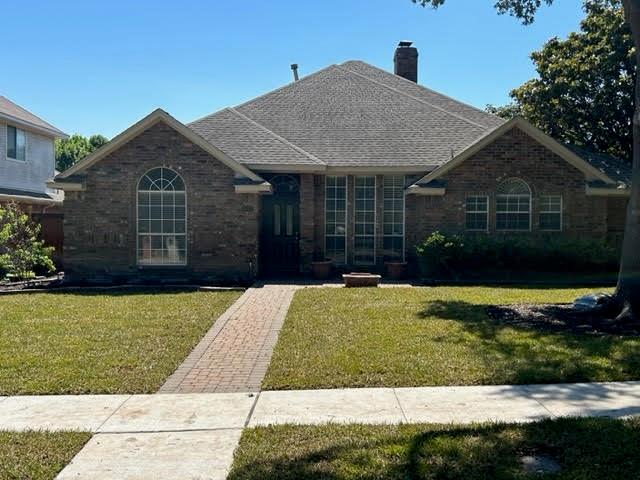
pixel 405 61
pixel 294 68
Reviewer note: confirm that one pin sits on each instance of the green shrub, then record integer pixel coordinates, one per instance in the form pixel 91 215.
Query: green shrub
pixel 448 255
pixel 22 253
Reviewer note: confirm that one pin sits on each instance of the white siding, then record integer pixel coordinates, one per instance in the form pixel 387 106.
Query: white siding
pixel 38 167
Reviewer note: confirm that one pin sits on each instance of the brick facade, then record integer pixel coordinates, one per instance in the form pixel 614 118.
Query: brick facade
pixel 514 154
pixel 100 222
pixel 223 226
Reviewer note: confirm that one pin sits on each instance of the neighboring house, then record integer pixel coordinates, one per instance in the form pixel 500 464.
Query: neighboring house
pixel 351 162
pixel 27 162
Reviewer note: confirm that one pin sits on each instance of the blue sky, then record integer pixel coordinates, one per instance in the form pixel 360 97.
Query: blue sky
pixel 97 67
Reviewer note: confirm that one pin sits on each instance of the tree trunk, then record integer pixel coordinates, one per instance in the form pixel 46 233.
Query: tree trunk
pixel 628 290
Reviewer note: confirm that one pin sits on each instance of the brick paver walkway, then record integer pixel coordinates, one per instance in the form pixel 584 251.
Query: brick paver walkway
pixel 234 354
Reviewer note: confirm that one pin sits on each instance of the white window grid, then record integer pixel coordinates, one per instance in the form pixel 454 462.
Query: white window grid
pixel 364 220
pixel 335 218
pixel 551 205
pixel 477 205
pixel 393 223
pixel 161 211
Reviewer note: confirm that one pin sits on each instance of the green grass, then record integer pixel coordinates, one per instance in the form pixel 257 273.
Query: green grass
pixel 118 341
pixel 37 455
pixel 435 336
pixel 583 448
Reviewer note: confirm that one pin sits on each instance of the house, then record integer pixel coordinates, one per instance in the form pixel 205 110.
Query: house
pixel 27 162
pixel 351 162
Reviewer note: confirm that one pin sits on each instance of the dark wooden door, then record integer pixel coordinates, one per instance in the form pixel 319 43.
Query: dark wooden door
pixel 280 233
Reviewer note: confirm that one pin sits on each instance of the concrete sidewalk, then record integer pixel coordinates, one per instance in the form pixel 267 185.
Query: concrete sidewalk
pixel 194 435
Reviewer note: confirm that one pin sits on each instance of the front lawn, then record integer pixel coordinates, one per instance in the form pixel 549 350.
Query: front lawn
pixel 435 336
pixel 115 341
pixel 37 455
pixel 576 448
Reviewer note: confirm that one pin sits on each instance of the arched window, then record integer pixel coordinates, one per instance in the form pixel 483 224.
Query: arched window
pixel 513 205
pixel 162 218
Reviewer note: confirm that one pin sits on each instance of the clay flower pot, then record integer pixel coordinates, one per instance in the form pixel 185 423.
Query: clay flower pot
pixel 322 269
pixel 396 270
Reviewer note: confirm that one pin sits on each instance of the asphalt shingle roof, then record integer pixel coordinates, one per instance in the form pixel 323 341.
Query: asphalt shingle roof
pixel 10 109
pixel 358 115
pixel 614 167
pixel 352 114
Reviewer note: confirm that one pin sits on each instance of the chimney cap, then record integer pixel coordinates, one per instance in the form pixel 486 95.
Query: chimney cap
pixel 405 43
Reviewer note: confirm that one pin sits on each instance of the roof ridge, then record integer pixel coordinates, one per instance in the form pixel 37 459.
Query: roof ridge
pixel 412 97
pixel 416 84
pixel 290 84
pixel 261 96
pixel 277 137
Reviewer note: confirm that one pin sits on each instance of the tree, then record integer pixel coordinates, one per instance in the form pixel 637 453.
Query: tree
pixel 583 93
pixel 21 250
pixel 75 148
pixel 507 111
pixel 625 303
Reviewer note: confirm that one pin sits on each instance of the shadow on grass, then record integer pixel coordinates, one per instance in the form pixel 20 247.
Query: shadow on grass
pixel 529 353
pixel 583 448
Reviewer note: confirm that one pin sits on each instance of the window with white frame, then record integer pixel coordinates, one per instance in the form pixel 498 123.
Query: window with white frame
pixel 477 213
pixel 393 217
pixel 550 213
pixel 162 218
pixel 364 251
pixel 335 211
pixel 16 143
pixel 513 205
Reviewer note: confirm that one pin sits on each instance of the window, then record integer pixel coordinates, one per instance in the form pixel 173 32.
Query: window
pixel 551 212
pixel 162 218
pixel 513 206
pixel 477 212
pixel 393 217
pixel 335 221
pixel 16 143
pixel 364 251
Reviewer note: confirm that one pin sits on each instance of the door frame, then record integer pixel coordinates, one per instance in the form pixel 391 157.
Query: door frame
pixel 286 187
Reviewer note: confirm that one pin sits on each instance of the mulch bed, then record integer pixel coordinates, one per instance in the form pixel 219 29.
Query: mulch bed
pixel 563 318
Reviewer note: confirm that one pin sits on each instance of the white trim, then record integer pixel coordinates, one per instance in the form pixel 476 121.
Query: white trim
pixel 518 122
pixel 607 192
pixel 426 191
pixel 27 199
pixel 47 132
pixel 66 186
pixel 375 205
pixel 404 216
pixel 561 212
pixel 6 144
pixel 186 226
pixel 154 117
pixel 264 187
pixel 487 212
pixel 346 217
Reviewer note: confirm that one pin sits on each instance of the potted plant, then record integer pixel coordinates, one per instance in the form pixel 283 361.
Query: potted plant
pixel 321 267
pixel 396 270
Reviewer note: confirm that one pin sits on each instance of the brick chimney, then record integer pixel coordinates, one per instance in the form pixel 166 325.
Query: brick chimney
pixel 405 61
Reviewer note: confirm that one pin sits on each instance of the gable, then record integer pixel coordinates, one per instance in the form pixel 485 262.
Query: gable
pixel 156 117
pixel 540 141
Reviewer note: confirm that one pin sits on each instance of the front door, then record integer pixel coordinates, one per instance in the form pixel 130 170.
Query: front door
pixel 280 229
